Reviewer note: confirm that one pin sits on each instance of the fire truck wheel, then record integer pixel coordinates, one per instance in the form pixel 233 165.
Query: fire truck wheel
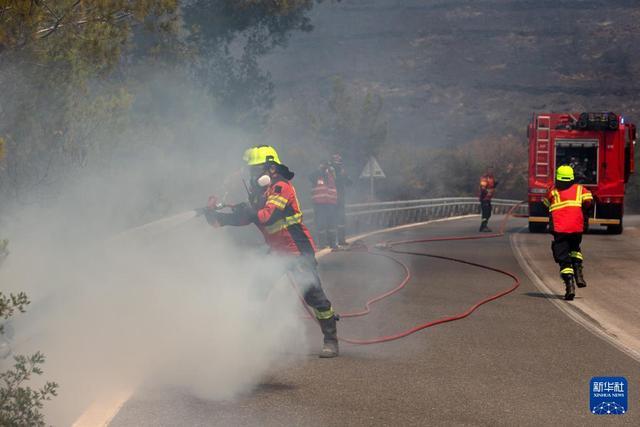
pixel 537 227
pixel 615 229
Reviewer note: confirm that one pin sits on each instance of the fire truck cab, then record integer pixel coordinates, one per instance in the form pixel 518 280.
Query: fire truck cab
pixel 599 147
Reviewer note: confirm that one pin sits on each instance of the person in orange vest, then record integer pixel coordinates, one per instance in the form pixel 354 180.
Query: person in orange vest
pixel 325 205
pixel 274 209
pixel 342 182
pixel 566 202
pixel 488 186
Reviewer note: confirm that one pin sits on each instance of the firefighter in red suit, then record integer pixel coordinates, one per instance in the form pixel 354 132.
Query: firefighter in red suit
pixel 275 210
pixel 566 202
pixel 488 186
pixel 324 195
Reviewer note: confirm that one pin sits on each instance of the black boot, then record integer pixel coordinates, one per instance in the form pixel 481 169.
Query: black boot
pixel 570 289
pixel 577 269
pixel 331 238
pixel 330 331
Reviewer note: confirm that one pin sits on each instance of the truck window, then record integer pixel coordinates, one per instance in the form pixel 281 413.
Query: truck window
pixel 582 155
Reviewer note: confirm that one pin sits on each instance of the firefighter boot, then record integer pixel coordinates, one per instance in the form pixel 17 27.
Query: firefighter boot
pixel 330 331
pixel 484 227
pixel 580 282
pixel 570 289
pixel 331 237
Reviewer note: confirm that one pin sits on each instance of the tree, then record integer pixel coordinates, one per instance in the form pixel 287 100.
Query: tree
pixel 54 59
pixel 20 404
pixel 230 36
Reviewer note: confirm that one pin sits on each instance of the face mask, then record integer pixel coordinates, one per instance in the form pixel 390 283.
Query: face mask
pixel 264 181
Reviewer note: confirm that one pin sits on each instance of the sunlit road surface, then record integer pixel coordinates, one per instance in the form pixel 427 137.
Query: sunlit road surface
pixel 611 301
pixel 516 361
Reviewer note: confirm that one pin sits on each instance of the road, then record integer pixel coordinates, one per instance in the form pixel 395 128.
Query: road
pixel 516 361
pixel 612 303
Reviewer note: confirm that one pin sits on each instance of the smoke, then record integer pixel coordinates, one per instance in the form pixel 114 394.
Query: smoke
pixel 191 307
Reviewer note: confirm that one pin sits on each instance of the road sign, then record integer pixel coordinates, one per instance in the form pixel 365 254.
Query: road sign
pixel 372 169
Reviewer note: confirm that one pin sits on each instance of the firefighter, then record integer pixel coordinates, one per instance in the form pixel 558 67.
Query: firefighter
pixel 275 210
pixel 488 186
pixel 342 181
pixel 325 205
pixel 566 203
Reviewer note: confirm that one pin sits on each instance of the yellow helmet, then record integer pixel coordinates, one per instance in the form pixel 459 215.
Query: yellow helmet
pixel 564 173
pixel 260 154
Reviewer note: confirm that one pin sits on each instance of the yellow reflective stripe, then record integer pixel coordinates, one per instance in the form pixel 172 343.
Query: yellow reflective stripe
pixel 279 201
pixel 579 193
pixel 568 270
pixel 324 315
pixel 284 223
pixel 582 196
pixel 546 202
pixel 576 254
pixel 569 203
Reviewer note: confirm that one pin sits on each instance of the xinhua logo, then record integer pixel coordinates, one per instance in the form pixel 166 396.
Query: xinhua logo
pixel 609 395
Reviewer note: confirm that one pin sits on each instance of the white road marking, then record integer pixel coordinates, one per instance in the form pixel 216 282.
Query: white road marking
pixel 101 412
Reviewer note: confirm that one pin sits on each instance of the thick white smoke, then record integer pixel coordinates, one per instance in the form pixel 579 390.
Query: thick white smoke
pixel 185 307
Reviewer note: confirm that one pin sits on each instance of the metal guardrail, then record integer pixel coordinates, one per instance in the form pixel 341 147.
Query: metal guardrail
pixel 362 217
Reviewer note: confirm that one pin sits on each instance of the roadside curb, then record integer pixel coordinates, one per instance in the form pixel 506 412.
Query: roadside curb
pixel 323 252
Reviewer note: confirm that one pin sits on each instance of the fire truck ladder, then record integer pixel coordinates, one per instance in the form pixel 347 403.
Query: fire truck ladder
pixel 543 144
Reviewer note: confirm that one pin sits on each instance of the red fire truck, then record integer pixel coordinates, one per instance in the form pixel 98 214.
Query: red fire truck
pixel 599 147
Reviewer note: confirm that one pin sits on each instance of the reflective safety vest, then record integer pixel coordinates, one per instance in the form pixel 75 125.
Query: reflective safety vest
pixel 565 207
pixel 487 187
pixel 280 221
pixel 324 189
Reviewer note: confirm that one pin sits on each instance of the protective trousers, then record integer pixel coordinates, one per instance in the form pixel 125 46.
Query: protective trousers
pixel 305 275
pixel 566 252
pixel 342 223
pixel 325 217
pixel 485 209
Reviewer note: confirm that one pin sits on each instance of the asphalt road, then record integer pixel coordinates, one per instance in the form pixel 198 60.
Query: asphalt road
pixel 611 301
pixel 516 361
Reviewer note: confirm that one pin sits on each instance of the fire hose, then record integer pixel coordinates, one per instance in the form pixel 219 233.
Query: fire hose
pixel 391 246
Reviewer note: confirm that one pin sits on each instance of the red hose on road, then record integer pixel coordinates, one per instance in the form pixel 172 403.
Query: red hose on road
pixel 390 246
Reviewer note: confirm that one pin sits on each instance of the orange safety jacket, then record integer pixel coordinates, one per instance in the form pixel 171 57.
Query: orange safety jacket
pixel 565 208
pixel 324 188
pixel 278 216
pixel 487 187
pixel 280 220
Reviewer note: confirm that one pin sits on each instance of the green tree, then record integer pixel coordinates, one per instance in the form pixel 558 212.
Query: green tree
pixel 20 405
pixel 230 37
pixel 54 57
